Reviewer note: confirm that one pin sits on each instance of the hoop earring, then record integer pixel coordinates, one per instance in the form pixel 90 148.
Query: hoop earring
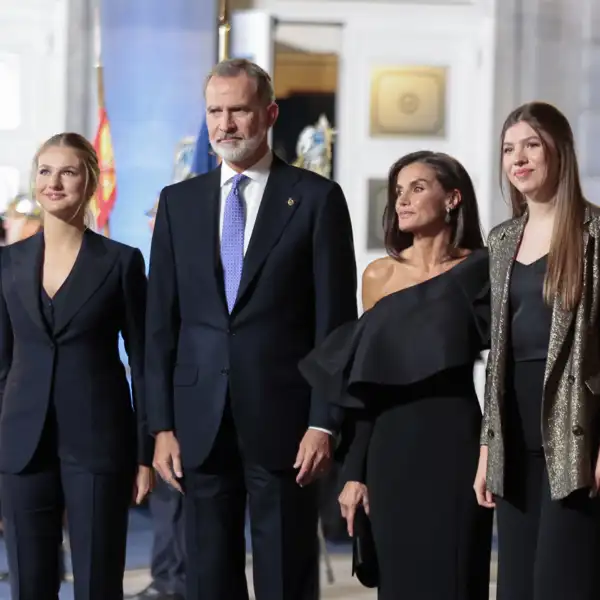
pixel 448 218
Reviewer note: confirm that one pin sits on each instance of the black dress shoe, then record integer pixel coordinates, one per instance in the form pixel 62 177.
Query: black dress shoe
pixel 151 593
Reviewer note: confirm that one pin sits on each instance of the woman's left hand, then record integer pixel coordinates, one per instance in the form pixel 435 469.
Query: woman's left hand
pixel 144 482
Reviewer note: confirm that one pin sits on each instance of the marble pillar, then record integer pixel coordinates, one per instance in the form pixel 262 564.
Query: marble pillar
pixel 589 116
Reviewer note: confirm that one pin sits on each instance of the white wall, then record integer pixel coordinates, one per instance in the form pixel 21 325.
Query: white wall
pixel 372 34
pixel 310 37
pixel 33 61
pixel 360 157
pixel 376 34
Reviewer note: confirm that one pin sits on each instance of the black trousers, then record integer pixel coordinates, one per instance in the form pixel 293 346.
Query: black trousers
pixel 547 549
pixel 283 522
pixel 168 549
pixel 97 511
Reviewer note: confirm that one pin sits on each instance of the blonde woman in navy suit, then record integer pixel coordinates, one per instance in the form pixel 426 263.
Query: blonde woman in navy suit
pixel 70 437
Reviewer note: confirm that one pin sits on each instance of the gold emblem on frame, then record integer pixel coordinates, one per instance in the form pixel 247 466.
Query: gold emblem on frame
pixel 408 101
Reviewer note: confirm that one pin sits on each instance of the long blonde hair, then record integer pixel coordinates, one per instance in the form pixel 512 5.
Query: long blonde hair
pixel 564 274
pixel 89 160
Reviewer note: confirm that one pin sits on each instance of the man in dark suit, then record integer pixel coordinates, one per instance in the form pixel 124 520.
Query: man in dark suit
pixel 252 264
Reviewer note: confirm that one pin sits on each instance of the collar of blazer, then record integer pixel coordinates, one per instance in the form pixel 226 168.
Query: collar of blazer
pixel 93 264
pixel 273 216
pixel 274 213
pixel 513 228
pixel 504 244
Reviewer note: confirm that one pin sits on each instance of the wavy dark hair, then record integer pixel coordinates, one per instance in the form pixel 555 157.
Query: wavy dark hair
pixel 451 175
pixel 564 273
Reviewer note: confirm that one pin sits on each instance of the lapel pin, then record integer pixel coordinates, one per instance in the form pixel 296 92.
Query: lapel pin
pixel 291 202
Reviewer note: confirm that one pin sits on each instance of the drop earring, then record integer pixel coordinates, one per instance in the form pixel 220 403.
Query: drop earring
pixel 447 218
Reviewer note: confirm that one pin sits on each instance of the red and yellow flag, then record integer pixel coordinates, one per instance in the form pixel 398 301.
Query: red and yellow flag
pixel 106 194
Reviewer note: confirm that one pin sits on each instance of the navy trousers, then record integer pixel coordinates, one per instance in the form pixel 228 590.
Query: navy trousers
pixel 168 550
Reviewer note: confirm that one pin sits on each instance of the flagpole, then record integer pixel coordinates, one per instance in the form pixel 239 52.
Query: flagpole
pixel 98 56
pixel 99 75
pixel 224 31
pixel 224 37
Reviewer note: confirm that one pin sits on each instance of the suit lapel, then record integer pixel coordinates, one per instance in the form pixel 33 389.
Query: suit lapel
pixel 561 318
pixel 276 209
pixel 502 267
pixel 27 274
pixel 511 239
pixel 204 221
pixel 93 264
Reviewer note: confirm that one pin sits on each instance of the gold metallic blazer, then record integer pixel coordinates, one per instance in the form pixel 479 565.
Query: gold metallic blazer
pixel 572 379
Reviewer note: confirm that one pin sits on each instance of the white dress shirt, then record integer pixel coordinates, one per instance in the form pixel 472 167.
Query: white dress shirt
pixel 251 191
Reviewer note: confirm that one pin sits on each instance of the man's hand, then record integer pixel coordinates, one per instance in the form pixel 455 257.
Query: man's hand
pixel 314 456
pixel 144 482
pixel 167 459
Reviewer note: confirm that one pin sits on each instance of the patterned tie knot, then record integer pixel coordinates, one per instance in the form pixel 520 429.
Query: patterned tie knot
pixel 232 240
pixel 236 181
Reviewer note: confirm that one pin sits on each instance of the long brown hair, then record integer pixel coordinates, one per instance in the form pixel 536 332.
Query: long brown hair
pixel 451 175
pixel 564 274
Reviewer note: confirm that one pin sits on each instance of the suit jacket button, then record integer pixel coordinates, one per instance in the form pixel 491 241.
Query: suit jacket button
pixel 578 430
pixel 224 371
pixel 491 433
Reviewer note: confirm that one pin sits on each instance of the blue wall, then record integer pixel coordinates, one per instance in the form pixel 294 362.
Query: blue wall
pixel 156 54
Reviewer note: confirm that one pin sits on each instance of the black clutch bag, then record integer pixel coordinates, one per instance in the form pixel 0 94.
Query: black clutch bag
pixel 364 557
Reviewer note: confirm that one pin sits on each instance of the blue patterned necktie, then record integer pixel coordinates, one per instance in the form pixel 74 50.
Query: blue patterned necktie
pixel 232 240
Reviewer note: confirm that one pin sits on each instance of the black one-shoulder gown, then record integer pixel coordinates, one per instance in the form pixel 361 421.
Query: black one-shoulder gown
pixel 404 372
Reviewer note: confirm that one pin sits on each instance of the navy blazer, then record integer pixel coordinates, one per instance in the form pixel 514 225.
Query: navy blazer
pixel 298 284
pixel 77 365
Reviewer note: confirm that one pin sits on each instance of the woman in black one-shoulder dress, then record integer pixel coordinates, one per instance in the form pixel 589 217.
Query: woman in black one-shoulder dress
pixel 405 375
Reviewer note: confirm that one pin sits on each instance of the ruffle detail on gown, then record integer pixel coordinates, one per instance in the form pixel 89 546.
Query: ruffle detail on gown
pixel 407 337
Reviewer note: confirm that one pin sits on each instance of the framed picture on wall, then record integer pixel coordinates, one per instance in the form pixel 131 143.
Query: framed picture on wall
pixel 408 101
pixel 377 199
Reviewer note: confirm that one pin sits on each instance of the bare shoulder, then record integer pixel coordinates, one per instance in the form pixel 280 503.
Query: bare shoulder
pixel 379 271
pixel 376 280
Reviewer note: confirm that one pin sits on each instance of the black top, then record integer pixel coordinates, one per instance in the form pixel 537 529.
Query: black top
pixel 47 307
pixel 407 337
pixel 531 316
pixel 47 304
